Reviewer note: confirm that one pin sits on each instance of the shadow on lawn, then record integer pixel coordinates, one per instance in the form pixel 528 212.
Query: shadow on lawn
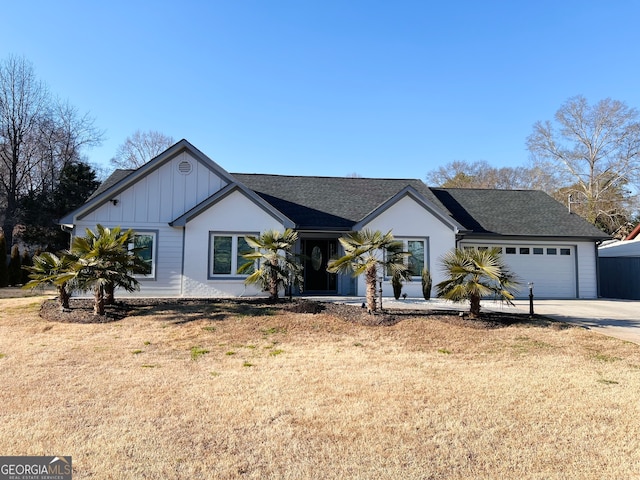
pixel 190 310
pixel 183 311
pixel 176 311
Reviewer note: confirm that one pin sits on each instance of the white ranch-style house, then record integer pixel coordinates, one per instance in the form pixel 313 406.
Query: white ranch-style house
pixel 192 217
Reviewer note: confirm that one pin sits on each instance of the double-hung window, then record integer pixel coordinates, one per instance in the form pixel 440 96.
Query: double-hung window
pixel 416 261
pixel 226 254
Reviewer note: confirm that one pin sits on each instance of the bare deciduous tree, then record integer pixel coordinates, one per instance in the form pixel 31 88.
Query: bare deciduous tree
pixel 141 147
pixel 23 101
pixel 479 174
pixel 39 136
pixel 63 134
pixel 597 150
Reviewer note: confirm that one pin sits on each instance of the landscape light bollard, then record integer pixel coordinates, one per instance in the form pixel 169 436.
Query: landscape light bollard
pixel 380 291
pixel 530 299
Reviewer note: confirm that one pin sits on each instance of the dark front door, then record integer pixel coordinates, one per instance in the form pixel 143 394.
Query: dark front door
pixel 318 253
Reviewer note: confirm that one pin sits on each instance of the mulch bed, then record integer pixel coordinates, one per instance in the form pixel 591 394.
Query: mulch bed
pixel 81 311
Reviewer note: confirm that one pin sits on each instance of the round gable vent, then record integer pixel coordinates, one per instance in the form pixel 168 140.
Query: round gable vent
pixel 185 167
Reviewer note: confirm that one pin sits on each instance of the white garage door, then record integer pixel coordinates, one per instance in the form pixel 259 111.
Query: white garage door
pixel 551 268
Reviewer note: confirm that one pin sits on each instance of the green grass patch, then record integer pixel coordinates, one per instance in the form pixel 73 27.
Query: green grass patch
pixel 230 352
pixel 215 374
pixel 209 329
pixel 247 364
pixel 273 331
pixel 444 351
pixel 603 357
pixel 147 343
pixel 137 352
pixel 148 365
pixel 197 352
pixel 275 353
pixel 3 355
pixel 526 344
pixel 607 382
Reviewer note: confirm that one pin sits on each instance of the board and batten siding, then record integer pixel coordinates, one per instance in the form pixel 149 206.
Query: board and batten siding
pixel 407 219
pixel 233 215
pixel 168 261
pixel 150 204
pixel 553 276
pixel 160 196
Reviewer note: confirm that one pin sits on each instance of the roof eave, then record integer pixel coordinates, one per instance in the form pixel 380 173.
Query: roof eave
pixel 513 236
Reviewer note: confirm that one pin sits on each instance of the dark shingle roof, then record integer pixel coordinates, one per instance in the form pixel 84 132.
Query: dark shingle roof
pixel 327 202
pixel 114 178
pixel 338 203
pixel 514 212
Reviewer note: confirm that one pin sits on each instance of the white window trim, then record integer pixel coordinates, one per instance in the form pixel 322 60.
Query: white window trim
pixel 234 257
pixel 154 254
pixel 405 247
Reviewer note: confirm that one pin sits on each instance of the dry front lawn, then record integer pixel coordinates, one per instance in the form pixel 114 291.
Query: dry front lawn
pixel 222 391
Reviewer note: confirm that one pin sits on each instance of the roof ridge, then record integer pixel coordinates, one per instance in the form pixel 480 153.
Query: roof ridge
pixel 326 177
pixel 484 189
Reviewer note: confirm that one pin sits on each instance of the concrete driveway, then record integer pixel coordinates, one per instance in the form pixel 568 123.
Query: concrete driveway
pixel 616 318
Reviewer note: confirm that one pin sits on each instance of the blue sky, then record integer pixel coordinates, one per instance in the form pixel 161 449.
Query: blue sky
pixel 381 89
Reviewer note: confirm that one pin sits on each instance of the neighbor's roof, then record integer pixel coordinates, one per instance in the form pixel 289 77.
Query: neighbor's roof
pixel 328 202
pixel 514 212
pixel 634 233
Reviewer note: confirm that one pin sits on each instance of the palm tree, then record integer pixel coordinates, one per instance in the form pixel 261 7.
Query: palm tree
pixel 104 262
pixel 278 265
pixel 51 269
pixel 371 252
pixel 474 274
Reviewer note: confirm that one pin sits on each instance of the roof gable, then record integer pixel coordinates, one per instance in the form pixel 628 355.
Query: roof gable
pixel 412 193
pixel 121 180
pixel 224 193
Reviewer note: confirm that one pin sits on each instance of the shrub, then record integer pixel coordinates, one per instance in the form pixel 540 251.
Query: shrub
pixel 427 282
pixel 15 270
pixel 396 283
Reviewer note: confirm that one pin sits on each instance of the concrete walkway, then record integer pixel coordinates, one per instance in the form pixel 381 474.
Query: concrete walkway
pixel 615 318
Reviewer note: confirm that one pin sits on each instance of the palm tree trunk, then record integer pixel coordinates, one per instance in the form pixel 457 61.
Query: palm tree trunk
pixel 371 277
pixel 109 296
pixel 273 282
pixel 98 306
pixel 63 297
pixel 474 300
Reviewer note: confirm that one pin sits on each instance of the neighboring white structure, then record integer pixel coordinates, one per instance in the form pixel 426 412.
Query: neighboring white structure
pixel 620 248
pixel 191 216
